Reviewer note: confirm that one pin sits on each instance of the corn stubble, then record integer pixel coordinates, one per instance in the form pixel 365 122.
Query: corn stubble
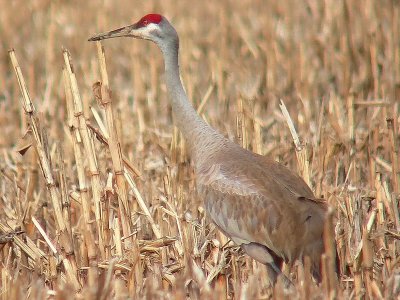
pixel 97 194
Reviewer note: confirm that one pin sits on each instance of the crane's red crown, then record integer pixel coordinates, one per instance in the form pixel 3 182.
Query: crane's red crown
pixel 150 18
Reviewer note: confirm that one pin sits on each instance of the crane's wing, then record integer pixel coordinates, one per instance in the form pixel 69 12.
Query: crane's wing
pixel 252 206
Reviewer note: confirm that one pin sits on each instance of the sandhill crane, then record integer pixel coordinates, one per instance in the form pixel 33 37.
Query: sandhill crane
pixel 258 203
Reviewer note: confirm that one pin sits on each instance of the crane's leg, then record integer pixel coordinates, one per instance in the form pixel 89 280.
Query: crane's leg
pixel 273 263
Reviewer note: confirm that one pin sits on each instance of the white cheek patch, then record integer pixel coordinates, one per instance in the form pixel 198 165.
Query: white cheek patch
pixel 151 27
pixel 150 30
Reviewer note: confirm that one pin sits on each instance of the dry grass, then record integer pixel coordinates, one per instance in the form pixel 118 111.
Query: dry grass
pixel 97 194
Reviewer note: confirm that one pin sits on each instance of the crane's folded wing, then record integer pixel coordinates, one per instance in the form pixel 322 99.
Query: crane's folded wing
pixel 249 205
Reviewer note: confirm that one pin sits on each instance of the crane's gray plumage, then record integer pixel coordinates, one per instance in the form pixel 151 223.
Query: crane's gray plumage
pixel 258 203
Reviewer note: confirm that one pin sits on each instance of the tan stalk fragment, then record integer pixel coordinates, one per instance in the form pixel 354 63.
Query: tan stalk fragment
pixel 65 238
pixel 105 100
pixel 88 146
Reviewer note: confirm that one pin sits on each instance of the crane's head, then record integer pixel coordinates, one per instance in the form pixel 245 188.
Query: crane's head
pixel 153 27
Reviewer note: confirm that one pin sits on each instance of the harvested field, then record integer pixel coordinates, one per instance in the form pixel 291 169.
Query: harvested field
pixel 97 191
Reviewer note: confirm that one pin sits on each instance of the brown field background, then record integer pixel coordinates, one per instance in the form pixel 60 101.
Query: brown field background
pixel 336 66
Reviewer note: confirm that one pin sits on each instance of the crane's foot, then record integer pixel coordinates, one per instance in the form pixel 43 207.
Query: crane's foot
pixel 275 272
pixel 273 263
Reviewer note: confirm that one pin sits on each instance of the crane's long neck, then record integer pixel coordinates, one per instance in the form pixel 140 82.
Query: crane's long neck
pixel 198 134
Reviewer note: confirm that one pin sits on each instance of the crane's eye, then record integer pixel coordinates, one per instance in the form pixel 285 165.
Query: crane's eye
pixel 145 22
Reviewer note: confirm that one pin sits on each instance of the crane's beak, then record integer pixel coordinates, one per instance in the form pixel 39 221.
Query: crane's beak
pixel 127 31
